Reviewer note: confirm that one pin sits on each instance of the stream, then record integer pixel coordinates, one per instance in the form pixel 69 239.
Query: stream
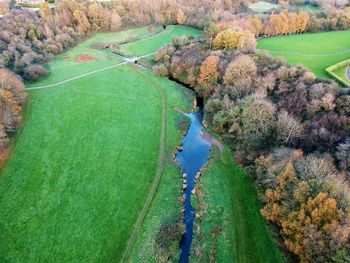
pixel 193 156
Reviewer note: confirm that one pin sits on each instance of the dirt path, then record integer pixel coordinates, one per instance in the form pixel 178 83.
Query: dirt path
pixel 310 55
pixel 158 175
pixel 88 73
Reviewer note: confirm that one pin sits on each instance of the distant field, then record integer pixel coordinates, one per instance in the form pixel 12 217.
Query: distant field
pixel 65 65
pixel 143 47
pixel 316 51
pixel 262 7
pixel 85 161
pixel 312 8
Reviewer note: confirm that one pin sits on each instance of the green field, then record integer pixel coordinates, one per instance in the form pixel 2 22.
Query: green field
pixel 262 7
pixel 85 161
pixel 316 51
pixel 92 178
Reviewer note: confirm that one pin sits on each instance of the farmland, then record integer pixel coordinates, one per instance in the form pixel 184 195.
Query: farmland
pixel 316 51
pixel 70 177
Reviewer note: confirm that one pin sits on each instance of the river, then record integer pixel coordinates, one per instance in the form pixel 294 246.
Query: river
pixel 193 156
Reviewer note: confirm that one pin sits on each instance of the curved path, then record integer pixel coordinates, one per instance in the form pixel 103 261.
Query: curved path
pixel 89 73
pixel 308 54
pixel 159 173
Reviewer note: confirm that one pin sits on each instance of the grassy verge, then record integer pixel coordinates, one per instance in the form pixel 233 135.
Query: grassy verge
pixel 322 46
pixel 231 229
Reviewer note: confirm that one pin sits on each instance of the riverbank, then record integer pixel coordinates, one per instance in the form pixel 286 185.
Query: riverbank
pixel 230 227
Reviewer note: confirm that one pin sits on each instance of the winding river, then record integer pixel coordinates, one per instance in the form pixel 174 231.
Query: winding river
pixel 194 154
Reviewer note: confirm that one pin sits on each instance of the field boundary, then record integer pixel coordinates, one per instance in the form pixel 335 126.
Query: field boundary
pixel 159 173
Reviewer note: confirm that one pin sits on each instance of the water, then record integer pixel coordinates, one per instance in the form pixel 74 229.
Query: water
pixel 194 155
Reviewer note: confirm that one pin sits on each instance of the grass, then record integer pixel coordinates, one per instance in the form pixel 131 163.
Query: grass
pixel 312 8
pixel 83 164
pixel 151 45
pixel 103 58
pixel 233 207
pixel 338 71
pixel 321 46
pixel 262 7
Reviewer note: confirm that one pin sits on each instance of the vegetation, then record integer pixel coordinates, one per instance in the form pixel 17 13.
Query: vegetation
pixel 63 222
pixel 69 175
pixel 230 228
pixel 258 104
pixel 315 51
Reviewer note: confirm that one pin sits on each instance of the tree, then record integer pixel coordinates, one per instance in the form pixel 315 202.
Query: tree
pixel 343 156
pixel 208 75
pixel 82 20
pixel 116 21
pixel 289 129
pixel 45 11
pixel 239 74
pixel 181 18
pixel 258 119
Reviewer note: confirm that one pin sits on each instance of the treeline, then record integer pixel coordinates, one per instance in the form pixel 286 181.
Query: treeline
pixel 289 128
pixel 12 99
pixel 283 23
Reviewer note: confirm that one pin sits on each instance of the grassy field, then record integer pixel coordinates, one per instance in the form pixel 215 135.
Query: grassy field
pixel 151 45
pixel 262 7
pixel 102 58
pixel 233 213
pixel 316 51
pixel 84 163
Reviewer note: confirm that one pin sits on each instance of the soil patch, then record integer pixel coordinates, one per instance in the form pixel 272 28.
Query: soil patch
pixel 84 59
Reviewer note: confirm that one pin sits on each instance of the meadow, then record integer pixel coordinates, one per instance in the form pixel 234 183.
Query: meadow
pixel 92 177
pixel 85 162
pixel 316 51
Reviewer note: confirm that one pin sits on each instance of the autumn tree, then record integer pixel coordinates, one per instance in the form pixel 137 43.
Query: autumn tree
pixel 82 21
pixel 289 129
pixel 116 21
pixel 240 74
pixel 208 75
pixel 181 17
pixel 98 17
pixel 258 119
pixel 45 11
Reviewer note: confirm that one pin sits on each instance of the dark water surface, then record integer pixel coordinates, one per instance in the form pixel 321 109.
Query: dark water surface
pixel 194 155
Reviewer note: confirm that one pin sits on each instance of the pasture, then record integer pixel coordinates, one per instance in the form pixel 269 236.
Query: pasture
pixel 87 160
pixel 316 51
pixel 92 178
